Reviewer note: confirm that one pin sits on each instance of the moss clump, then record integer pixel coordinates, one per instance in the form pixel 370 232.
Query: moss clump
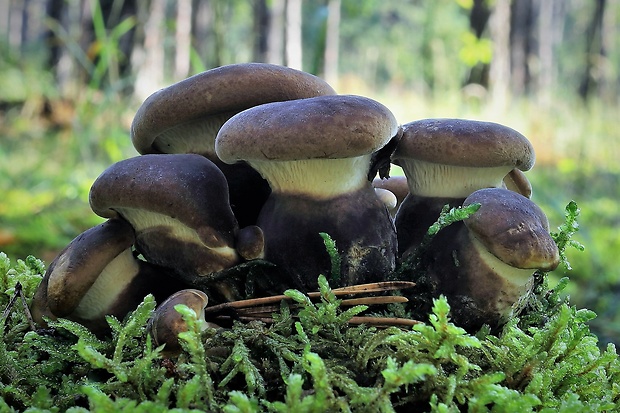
pixel 310 359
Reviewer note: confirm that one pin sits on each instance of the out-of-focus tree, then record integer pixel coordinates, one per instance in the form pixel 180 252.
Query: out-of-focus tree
pixel 595 52
pixel 293 40
pixel 332 43
pixel 499 73
pixel 148 56
pixel 518 47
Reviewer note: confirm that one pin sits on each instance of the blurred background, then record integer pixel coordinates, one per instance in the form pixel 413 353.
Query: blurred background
pixel 73 73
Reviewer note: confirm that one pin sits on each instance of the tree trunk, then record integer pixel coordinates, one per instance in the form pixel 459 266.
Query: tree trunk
pixel 5 7
pixel 478 22
pixel 332 42
pixel 183 39
pixel 611 41
pixel 275 38
pixel 293 45
pixel 16 13
pixel 261 30
pixel 202 25
pixel 499 72
pixel 546 43
pixel 219 32
pixel 594 52
pixel 520 45
pixel 148 58
pixel 76 24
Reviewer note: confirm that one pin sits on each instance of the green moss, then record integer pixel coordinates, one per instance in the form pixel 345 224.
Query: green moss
pixel 310 359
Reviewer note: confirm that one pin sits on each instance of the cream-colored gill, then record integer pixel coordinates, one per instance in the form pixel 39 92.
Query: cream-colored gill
pixel 513 275
pixel 197 136
pixel 438 180
pixel 114 278
pixel 318 178
pixel 143 221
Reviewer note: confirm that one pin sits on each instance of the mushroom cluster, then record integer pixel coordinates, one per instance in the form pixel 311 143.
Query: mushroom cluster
pixel 255 163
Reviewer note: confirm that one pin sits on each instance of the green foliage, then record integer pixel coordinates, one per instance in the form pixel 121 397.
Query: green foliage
pixel 448 216
pixel 308 361
pixel 563 237
pixel 334 256
pixel 594 275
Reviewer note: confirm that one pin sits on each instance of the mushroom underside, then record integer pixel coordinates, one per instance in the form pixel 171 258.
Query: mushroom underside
pixel 166 241
pixel 321 178
pixel 195 136
pixel 441 180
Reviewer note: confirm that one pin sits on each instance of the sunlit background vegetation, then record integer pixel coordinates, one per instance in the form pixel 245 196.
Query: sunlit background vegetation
pixel 73 73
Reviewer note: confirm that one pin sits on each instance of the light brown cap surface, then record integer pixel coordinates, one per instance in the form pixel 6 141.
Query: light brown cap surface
pixel 324 127
pixel 462 142
pixel 513 228
pixel 223 90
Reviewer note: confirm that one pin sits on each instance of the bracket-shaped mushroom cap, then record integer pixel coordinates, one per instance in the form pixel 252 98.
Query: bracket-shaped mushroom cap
pixel 178 207
pixel 512 228
pixel 185 117
pixel 454 157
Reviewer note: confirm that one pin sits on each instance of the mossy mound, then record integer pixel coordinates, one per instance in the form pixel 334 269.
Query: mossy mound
pixel 310 359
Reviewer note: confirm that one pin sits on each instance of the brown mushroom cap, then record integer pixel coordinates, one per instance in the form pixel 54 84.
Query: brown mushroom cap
pixel 186 188
pixel 324 127
pixel 97 275
pixel 319 146
pixel 316 154
pixel 463 142
pixel 517 182
pixel 483 263
pixel 203 102
pixel 454 157
pixel 513 229
pixel 480 287
pixel 178 206
pixel 167 322
pixel 80 264
pixel 250 242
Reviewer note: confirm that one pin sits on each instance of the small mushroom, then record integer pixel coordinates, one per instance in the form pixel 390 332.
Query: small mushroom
pixel 185 118
pixel 97 275
pixel 516 181
pixel 178 207
pixel 167 322
pixel 388 198
pixel 483 263
pixel 396 185
pixel 444 161
pixel 316 155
